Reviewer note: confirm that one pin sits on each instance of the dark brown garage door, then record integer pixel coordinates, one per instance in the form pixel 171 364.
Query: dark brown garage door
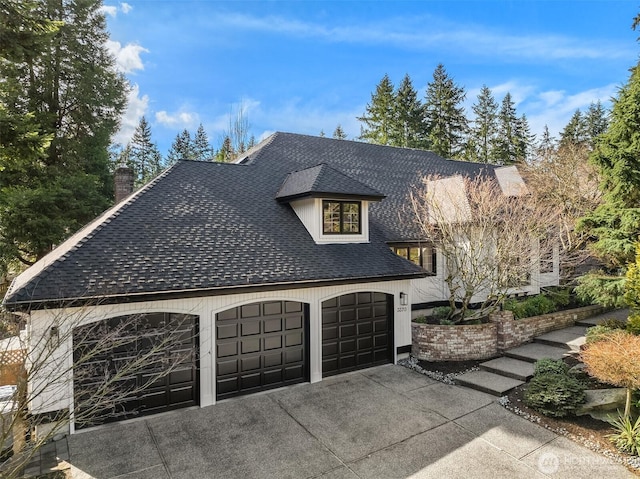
pixel 135 365
pixel 261 346
pixel 356 332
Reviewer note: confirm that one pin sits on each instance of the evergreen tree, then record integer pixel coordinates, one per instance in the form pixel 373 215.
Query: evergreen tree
pixel 144 157
pixel 524 139
pixel 225 154
pixel 66 95
pixel 379 115
pixel 485 127
pixel 596 121
pixel 407 128
pixel 339 133
pixel 322 134
pixel 575 132
pixel 547 144
pixel 615 224
pixel 444 115
pixel 182 148
pixel 508 147
pixel 201 146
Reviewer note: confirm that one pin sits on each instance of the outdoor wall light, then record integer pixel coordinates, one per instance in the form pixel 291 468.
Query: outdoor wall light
pixel 404 299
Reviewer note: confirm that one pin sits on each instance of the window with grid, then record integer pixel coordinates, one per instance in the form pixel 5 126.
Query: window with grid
pixel 341 217
pixel 423 256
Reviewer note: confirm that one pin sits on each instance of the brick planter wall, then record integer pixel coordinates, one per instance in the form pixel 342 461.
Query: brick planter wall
pixel 434 342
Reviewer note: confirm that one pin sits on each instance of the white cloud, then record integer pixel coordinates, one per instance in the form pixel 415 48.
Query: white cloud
pixel 410 33
pixel 128 56
pixel 181 119
pixel 109 10
pixel 112 10
pixel 554 108
pixel 136 107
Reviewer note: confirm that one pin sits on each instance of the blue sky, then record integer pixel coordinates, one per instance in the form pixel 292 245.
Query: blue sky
pixel 308 66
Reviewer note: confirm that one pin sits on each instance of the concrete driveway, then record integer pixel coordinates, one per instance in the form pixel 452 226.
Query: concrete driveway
pixel 384 422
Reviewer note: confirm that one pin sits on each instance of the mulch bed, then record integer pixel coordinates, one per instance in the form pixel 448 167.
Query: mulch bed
pixel 584 430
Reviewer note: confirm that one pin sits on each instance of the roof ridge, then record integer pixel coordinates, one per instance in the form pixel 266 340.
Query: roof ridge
pixel 41 267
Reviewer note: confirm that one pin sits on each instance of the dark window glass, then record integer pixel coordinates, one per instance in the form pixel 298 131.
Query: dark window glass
pixel 341 217
pixel 425 257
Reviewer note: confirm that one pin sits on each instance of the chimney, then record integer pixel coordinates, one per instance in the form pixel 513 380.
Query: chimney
pixel 123 182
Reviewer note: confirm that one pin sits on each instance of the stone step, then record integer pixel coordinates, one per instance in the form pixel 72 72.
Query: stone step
pixel 509 367
pixel 532 352
pixel 621 314
pixel 568 338
pixel 487 382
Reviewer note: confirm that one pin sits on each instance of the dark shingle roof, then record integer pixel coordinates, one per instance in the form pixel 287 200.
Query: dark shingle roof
pixel 205 227
pixel 323 181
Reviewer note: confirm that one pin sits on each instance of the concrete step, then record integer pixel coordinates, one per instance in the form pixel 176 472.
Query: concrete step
pixel 532 352
pixel 509 367
pixel 568 338
pixel 487 382
pixel 621 314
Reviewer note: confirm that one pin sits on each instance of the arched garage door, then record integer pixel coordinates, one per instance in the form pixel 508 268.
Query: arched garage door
pixel 134 365
pixel 357 332
pixel 261 346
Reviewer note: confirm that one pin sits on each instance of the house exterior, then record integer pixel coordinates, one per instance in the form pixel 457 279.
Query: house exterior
pixel 297 262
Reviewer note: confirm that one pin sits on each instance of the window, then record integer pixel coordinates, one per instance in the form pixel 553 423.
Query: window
pixel 341 217
pixel 424 257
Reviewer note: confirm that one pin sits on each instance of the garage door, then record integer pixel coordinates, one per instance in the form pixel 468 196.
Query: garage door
pixel 135 365
pixel 356 332
pixel 261 346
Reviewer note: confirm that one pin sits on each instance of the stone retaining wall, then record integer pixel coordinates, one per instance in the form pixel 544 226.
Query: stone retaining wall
pixel 434 342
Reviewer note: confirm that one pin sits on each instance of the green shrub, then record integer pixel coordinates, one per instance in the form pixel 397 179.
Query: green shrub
pixel 447 322
pixel 627 435
pixel 633 324
pixel 420 319
pixel 613 323
pixel 516 307
pixel 555 366
pixel 555 395
pixel 560 296
pixel 598 333
pixel 533 306
pixel 441 312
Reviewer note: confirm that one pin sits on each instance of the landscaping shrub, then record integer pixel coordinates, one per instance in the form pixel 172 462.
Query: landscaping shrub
pixel 613 323
pixel 560 296
pixel 441 312
pixel 556 366
pixel 555 395
pixel 532 306
pixel 627 435
pixel 598 333
pixel 633 324
pixel 420 319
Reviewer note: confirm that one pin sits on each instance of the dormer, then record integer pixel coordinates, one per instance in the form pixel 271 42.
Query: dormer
pixel 333 207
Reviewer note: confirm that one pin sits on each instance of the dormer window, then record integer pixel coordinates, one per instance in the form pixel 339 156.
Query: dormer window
pixel 341 217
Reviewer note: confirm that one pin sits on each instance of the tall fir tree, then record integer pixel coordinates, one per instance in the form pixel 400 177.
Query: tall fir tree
pixel 378 118
pixel 408 128
pixel 144 156
pixel 63 180
pixel 339 133
pixel 575 131
pixel 483 133
pixel 546 147
pixel 445 118
pixel 525 140
pixel 615 224
pixel 201 146
pixel 597 121
pixel 225 154
pixel 508 148
pixel 182 148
